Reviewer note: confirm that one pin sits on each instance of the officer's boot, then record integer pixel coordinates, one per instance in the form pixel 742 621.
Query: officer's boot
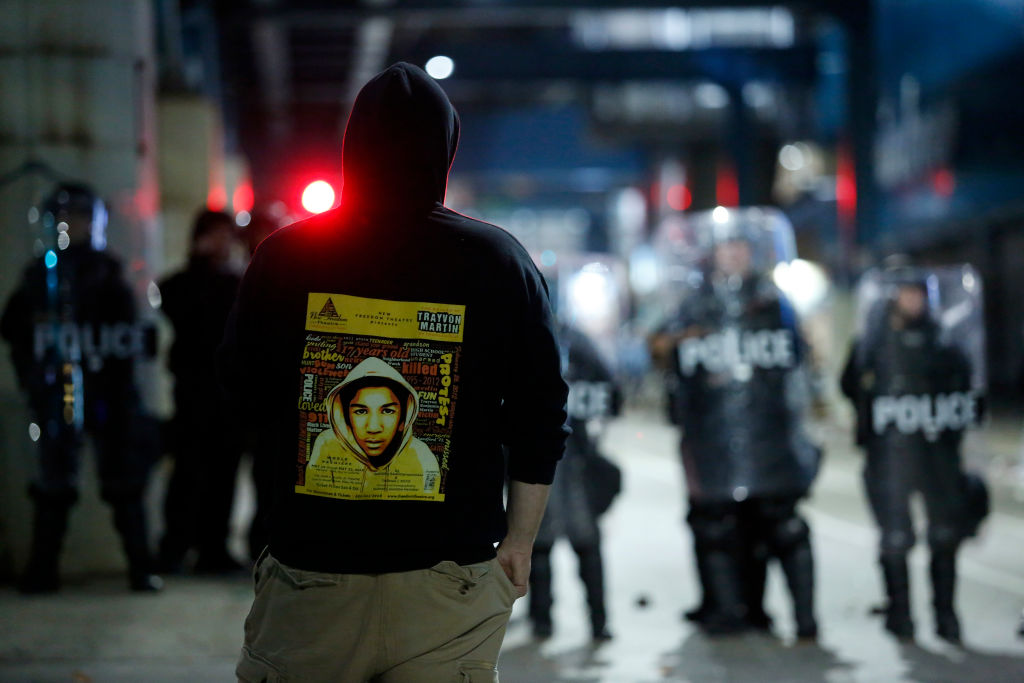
pixel 540 594
pixel 943 574
pixel 725 591
pixel 897 585
pixel 130 521
pixel 798 565
pixel 755 572
pixel 592 574
pixel 705 607
pixel 49 524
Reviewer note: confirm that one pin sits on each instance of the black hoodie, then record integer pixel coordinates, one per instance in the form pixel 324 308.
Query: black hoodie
pixel 454 305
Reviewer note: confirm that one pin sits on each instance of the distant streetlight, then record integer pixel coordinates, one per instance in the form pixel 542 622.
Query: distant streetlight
pixel 440 67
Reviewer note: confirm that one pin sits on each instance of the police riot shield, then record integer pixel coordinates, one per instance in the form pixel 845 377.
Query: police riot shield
pixel 920 350
pixel 739 387
pixel 727 244
pixel 72 322
pixel 70 214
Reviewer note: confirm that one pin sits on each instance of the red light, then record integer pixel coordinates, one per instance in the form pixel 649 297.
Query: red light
pixel 727 187
pixel 216 197
pixel 318 196
pixel 846 185
pixel 678 197
pixel 242 199
pixel 944 182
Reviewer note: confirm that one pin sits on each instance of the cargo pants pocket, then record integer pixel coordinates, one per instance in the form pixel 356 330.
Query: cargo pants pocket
pixel 478 672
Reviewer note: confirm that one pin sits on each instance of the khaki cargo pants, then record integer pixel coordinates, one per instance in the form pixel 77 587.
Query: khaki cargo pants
pixel 432 625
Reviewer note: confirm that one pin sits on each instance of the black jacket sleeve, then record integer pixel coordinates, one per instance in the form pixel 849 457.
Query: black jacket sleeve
pixel 850 385
pixel 534 400
pixel 849 382
pixel 16 329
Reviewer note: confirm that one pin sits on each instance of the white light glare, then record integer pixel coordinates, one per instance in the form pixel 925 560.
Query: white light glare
pixel 243 218
pixel 720 214
pixel 643 269
pixel 711 96
pixel 791 157
pixel 153 295
pixel 805 283
pixel 34 432
pixel 592 295
pixel 440 67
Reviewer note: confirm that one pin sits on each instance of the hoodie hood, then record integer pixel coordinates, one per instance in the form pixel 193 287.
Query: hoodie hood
pixel 373 372
pixel 399 143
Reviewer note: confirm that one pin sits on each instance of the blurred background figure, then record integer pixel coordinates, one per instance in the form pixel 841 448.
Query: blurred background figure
pixel 203 439
pixel 262 222
pixel 588 291
pixel 585 485
pixel 74 337
pixel 917 378
pixel 734 357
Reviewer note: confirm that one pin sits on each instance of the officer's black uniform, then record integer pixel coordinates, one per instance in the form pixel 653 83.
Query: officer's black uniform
pixel 913 403
pixel 206 443
pixel 575 503
pixel 74 337
pixel 747 463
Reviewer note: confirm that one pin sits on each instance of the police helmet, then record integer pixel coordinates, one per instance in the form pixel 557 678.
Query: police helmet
pixel 77 199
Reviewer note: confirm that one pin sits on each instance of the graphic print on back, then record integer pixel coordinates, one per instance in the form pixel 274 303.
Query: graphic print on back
pixel 377 392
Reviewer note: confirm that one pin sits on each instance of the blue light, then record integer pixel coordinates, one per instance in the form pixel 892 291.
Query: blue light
pixel 50 259
pixel 548 258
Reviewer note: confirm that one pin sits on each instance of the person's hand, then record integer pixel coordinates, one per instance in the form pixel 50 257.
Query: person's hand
pixel 515 560
pixel 660 346
pixel 663 344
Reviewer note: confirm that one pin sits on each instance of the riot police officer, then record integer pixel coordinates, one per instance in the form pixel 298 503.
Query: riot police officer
pixel 734 357
pixel 74 337
pixel 583 488
pixel 916 392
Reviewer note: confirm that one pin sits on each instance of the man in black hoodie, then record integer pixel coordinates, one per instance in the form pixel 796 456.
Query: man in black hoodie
pixel 385 574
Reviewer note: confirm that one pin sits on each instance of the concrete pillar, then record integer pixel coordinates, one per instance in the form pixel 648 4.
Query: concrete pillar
pixel 191 167
pixel 78 82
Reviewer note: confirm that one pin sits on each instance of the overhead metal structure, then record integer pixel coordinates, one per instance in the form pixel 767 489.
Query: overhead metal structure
pixel 292 68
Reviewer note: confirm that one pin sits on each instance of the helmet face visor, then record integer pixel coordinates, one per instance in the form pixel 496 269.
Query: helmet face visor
pixel 727 243
pixel 78 213
pixel 761 234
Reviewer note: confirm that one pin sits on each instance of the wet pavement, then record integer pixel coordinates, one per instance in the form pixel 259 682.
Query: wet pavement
pixel 94 630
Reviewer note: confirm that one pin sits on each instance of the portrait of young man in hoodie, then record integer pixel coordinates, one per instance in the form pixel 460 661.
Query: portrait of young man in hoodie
pixel 372 413
pixel 397 586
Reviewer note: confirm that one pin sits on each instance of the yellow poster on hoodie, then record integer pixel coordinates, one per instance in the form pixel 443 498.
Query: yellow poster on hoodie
pixel 378 388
